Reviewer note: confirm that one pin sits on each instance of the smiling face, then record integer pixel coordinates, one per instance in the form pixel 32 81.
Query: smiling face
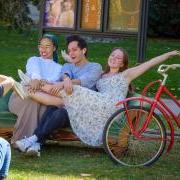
pixel 76 53
pixel 46 48
pixel 116 59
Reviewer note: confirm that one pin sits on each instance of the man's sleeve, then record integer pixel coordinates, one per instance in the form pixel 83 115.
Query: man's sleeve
pixel 89 78
pixel 66 69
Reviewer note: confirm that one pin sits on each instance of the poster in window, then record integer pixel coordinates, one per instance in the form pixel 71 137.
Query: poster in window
pixel 91 14
pixel 124 15
pixel 60 13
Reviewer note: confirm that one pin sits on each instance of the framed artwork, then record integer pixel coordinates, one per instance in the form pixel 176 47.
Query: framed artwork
pixel 106 18
pixel 124 15
pixel 91 14
pixel 60 13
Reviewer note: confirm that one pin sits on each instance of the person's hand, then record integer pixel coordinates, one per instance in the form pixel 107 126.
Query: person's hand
pixel 46 88
pixel 65 56
pixel 34 85
pixel 68 86
pixel 53 89
pixel 174 53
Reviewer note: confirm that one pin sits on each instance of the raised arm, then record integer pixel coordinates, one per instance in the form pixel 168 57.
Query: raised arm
pixel 132 73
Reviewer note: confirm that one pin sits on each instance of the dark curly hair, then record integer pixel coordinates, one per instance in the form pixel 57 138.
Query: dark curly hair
pixel 81 42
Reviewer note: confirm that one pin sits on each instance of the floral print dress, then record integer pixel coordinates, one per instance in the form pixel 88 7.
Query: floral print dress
pixel 89 110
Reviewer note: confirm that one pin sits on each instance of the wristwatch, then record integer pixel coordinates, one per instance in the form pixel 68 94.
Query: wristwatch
pixel 67 75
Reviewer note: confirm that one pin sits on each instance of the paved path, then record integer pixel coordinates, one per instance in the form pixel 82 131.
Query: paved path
pixel 172 106
pixel 176 110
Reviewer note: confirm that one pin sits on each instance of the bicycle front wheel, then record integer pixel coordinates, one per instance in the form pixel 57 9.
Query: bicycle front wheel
pixel 127 149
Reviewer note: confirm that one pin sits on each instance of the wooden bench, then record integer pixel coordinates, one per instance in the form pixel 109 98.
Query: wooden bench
pixel 7 122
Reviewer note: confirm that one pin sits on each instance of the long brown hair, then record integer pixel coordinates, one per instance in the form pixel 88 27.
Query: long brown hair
pixel 121 69
pixel 125 61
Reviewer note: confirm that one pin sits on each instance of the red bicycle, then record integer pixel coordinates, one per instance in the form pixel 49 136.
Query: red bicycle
pixel 135 135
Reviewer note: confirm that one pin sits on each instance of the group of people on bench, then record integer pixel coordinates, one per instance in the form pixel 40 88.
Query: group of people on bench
pixel 77 94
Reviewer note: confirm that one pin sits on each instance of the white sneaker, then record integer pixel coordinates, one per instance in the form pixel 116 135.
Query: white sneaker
pixel 24 144
pixel 34 150
pixel 19 89
pixel 25 79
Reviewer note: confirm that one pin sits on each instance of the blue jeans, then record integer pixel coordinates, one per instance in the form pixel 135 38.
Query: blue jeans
pixel 5 157
pixel 52 119
pixel 1 90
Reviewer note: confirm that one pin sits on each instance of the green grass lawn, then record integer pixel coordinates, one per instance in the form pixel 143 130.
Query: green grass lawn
pixel 72 162
pixel 16 49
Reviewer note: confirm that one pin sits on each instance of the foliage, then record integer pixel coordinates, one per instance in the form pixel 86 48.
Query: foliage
pixel 15 14
pixel 164 18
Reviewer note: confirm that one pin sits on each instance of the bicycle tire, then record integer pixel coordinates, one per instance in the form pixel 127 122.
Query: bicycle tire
pixel 126 149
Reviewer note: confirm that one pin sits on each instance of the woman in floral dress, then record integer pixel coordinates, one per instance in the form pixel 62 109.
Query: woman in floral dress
pixel 89 110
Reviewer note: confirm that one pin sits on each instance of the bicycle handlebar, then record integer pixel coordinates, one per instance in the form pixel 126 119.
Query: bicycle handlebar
pixel 164 68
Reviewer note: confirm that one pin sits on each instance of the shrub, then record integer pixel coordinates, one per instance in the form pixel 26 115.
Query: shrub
pixel 164 18
pixel 15 14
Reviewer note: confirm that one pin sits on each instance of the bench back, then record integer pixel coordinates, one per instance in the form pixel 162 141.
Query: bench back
pixel 4 102
pixel 7 119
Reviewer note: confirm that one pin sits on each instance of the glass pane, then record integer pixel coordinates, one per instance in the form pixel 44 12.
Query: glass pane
pixel 91 14
pixel 124 15
pixel 60 13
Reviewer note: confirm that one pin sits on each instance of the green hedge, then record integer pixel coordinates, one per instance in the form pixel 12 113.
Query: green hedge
pixel 164 18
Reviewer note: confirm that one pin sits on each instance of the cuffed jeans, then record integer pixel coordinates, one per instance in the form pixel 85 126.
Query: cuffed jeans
pixel 5 157
pixel 52 119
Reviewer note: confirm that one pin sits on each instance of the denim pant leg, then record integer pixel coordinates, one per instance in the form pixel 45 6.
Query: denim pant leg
pixel 52 119
pixel 5 157
pixel 1 90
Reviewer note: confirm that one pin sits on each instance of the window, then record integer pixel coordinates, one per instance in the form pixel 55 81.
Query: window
pixel 60 13
pixel 91 13
pixel 124 15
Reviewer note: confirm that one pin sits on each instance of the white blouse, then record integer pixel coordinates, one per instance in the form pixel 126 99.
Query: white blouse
pixel 47 69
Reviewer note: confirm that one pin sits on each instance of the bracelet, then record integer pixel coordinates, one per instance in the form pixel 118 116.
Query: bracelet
pixel 43 82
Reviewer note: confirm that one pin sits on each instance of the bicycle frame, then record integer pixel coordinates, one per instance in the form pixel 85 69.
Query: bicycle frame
pixel 155 103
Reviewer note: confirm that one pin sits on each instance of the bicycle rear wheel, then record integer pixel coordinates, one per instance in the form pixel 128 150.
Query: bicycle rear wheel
pixel 125 148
